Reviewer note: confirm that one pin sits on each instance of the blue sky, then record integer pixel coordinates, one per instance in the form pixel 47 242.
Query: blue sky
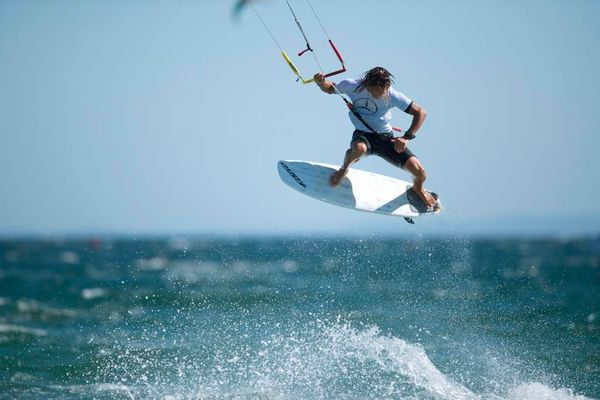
pixel 140 117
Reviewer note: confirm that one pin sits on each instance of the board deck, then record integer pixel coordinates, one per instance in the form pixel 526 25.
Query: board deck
pixel 359 190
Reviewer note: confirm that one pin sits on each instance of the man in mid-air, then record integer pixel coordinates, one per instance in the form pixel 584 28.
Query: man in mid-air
pixel 373 97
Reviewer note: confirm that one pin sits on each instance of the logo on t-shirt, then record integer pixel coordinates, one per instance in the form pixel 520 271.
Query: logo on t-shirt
pixel 365 106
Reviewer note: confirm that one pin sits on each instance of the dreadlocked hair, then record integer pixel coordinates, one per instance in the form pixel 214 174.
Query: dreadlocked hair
pixel 375 77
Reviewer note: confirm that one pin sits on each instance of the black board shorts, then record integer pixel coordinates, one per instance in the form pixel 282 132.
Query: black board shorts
pixel 380 144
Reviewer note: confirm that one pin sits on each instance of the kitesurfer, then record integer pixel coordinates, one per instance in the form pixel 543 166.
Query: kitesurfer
pixel 373 97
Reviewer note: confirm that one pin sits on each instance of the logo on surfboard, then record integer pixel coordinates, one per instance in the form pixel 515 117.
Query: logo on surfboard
pixel 293 175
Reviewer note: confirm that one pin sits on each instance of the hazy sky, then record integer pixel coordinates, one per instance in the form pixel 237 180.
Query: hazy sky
pixel 170 116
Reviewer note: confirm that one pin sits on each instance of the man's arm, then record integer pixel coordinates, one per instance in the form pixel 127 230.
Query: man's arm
pixel 419 114
pixel 324 84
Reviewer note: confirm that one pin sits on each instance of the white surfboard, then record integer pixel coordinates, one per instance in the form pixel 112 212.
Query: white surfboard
pixel 360 190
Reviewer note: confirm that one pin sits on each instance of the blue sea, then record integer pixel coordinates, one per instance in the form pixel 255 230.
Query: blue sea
pixel 300 318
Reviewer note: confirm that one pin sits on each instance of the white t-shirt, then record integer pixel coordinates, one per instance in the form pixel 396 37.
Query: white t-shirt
pixel 376 112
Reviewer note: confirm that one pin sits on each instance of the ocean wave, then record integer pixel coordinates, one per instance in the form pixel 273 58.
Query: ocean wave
pixel 319 360
pixel 100 390
pixel 42 311
pixel 93 293
pixel 253 320
pixel 538 391
pixel 21 330
pixel 153 264
pixel 354 361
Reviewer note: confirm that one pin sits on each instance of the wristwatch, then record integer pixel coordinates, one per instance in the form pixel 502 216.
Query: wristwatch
pixel 408 135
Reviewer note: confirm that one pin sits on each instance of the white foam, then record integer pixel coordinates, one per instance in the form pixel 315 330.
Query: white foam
pixel 153 264
pixel 314 360
pixel 538 391
pixel 93 293
pixel 30 306
pixel 391 366
pixel 337 361
pixel 398 357
pixel 93 389
pixel 69 257
pixel 191 272
pixel 18 329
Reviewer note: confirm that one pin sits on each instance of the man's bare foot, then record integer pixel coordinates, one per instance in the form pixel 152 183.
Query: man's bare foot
pixel 427 198
pixel 336 178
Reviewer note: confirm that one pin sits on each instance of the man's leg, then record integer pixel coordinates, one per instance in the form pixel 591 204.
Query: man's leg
pixel 353 154
pixel 413 165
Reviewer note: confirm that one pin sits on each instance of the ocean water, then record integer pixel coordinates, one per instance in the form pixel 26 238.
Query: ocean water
pixel 298 318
